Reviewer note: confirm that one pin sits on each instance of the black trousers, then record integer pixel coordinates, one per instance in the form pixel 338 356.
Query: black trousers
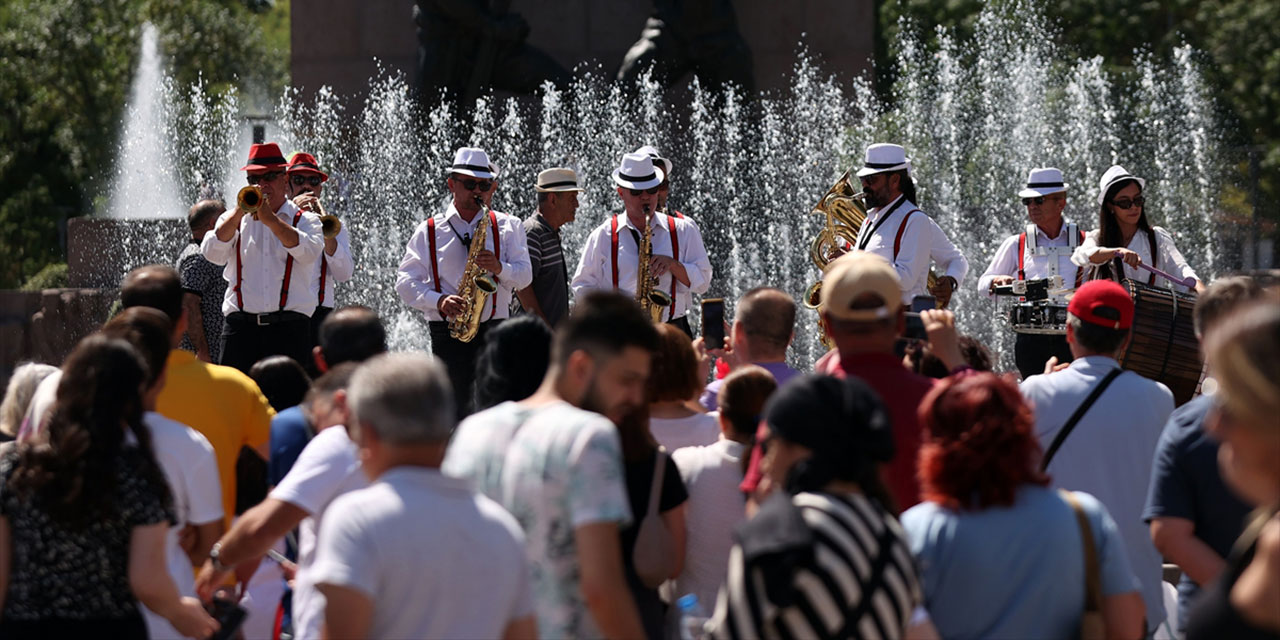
pixel 459 360
pixel 682 323
pixel 248 338
pixel 1032 350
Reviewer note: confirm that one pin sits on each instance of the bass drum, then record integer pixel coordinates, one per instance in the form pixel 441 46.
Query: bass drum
pixel 1163 346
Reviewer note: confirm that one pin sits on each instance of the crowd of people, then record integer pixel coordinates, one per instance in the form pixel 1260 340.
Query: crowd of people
pixel 593 467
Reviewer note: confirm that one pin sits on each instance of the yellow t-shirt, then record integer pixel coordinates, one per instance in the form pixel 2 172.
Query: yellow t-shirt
pixel 221 403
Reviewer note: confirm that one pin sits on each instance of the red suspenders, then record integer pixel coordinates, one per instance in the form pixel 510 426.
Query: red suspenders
pixel 324 268
pixel 675 250
pixel 435 267
pixel 288 271
pixel 897 240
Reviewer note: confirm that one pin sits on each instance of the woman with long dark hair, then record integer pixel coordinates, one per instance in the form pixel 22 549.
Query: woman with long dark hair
pixel 1125 233
pixel 1001 555
pixel 84 514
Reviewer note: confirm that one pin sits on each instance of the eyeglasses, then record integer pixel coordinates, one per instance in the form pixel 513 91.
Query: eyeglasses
pixel 636 192
pixel 302 181
pixel 470 185
pixel 1138 201
pixel 260 178
pixel 1038 200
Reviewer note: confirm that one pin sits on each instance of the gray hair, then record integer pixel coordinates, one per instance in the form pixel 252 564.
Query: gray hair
pixel 17 397
pixel 405 398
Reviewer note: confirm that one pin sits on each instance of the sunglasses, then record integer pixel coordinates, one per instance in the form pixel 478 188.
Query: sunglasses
pixel 302 181
pixel 470 185
pixel 260 178
pixel 651 191
pixel 1037 200
pixel 1129 204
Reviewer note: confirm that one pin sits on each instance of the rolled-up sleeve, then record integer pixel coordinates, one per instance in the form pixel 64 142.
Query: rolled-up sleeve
pixel 215 250
pixel 341 265
pixel 696 263
pixel 517 272
pixel 413 279
pixel 1170 258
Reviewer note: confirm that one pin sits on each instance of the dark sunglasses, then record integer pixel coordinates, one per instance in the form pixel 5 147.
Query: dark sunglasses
pixel 302 181
pixel 265 177
pixel 470 185
pixel 1129 204
pixel 636 192
pixel 1038 200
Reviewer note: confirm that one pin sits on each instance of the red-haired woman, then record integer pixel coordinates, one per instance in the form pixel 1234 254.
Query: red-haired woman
pixel 1000 554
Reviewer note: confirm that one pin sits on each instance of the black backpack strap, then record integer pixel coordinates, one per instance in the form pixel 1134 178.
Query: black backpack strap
pixel 1075 417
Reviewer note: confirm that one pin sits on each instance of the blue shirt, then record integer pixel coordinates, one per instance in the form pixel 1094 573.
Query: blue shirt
pixel 1013 572
pixel 780 371
pixel 1186 483
pixel 289 434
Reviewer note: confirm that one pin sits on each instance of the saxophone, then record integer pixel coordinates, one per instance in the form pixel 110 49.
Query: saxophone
pixel 475 286
pixel 652 299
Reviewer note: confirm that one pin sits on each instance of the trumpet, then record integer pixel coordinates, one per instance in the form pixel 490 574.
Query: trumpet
pixel 249 200
pixel 329 223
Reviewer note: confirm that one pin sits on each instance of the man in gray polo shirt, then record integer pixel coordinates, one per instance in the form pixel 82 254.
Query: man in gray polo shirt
pixel 548 295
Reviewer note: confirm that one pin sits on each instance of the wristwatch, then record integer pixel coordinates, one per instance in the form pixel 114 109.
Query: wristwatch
pixel 213 558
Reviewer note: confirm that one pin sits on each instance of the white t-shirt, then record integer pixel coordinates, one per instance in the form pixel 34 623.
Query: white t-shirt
pixel 188 463
pixel 711 474
pixel 557 468
pixel 437 559
pixel 697 430
pixel 327 468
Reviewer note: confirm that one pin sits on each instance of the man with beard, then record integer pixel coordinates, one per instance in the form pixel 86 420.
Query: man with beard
pixel 896 229
pixel 554 460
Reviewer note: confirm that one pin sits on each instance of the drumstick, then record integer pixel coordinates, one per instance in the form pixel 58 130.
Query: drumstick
pixel 1189 283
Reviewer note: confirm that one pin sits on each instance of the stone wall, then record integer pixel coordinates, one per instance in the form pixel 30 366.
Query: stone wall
pixel 341 43
pixel 43 326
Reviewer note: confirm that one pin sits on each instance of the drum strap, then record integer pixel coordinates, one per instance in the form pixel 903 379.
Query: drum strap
pixel 613 243
pixel 1078 235
pixel 1075 417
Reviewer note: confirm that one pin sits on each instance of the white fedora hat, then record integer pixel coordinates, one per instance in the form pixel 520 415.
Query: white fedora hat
pixel 637 172
pixel 555 180
pixel 474 162
pixel 652 152
pixel 883 157
pixel 1113 175
pixel 1042 182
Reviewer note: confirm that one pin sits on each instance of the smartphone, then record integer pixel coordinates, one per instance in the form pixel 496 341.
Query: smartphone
pixel 713 322
pixel 229 616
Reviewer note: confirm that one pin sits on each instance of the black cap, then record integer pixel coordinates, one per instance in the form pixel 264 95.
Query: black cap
pixel 842 421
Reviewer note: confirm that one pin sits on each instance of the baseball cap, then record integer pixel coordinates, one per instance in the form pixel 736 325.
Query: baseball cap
pixel 851 276
pixel 1103 303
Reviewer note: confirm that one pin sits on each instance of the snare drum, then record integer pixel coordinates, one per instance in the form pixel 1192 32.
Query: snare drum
pixel 1164 346
pixel 1040 317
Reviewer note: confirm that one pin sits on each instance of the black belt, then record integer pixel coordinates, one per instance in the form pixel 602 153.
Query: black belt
pixel 263 319
pixel 445 323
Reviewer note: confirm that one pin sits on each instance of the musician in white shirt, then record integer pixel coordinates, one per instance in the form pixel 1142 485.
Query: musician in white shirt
pixel 1042 251
pixel 268 258
pixel 1124 232
pixel 436 259
pixel 896 230
pixel 306 184
pixel 610 259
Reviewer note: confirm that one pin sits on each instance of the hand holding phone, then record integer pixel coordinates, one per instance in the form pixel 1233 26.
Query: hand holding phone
pixel 713 323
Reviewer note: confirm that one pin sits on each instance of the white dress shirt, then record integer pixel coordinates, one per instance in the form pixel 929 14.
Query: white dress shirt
pixel 416 284
pixel 1109 453
pixel 264 259
pixel 1170 259
pixel 1043 257
pixel 595 268
pixel 922 240
pixel 339 268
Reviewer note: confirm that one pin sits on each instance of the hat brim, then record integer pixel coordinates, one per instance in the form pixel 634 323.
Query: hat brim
pixel 1032 192
pixel 324 177
pixel 658 176
pixel 1102 195
pixel 666 166
pixel 557 189
pixel 870 171
pixel 483 174
pixel 859 315
pixel 264 167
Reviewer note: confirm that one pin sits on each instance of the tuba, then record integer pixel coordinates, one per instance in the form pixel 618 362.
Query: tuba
pixel 249 200
pixel 843 206
pixel 475 286
pixel 652 299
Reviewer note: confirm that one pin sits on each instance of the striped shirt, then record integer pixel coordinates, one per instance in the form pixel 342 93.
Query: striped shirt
pixel 849 533
pixel 550 275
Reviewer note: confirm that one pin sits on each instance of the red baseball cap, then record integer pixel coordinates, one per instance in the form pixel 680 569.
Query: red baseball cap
pixel 1104 303
pixel 264 157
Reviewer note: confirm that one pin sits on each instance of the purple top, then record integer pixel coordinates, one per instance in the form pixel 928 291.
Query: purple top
pixel 779 370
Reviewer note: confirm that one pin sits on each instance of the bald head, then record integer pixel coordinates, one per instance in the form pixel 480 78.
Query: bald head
pixel 767 318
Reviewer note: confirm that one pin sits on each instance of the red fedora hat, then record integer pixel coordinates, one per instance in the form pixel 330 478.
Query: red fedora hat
pixel 264 157
pixel 301 162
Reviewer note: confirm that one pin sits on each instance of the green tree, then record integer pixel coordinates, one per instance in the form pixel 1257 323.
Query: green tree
pixel 65 70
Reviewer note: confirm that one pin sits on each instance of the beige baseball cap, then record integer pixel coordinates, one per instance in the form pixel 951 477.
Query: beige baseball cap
pixel 851 276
